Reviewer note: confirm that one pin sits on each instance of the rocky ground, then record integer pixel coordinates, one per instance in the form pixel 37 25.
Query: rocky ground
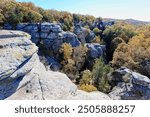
pixel 23 76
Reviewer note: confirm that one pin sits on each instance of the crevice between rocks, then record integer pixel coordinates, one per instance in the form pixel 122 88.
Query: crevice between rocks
pixel 42 91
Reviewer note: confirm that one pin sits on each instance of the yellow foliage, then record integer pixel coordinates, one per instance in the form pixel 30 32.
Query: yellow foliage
pixel 79 56
pixel 86 77
pixel 97 39
pixel 88 88
pixel 69 68
pixel 123 56
pixel 73 59
pixel 66 50
pixel 134 53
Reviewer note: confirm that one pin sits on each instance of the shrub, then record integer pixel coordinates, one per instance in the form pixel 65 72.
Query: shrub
pixel 96 31
pixel 69 69
pixel 33 17
pixel 67 24
pixel 88 88
pixel 47 16
pixel 99 73
pixel 86 77
pixel 79 56
pixel 66 50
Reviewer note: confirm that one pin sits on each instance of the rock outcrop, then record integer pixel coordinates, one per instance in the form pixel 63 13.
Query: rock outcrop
pixel 129 85
pixel 49 34
pixel 23 76
pixel 81 33
pixel 95 50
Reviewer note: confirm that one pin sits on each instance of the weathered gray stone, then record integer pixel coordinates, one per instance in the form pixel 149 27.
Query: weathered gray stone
pixel 95 50
pixel 50 35
pixel 50 27
pixel 24 77
pixel 96 95
pixel 53 63
pixel 81 33
pixel 129 85
pixel 90 37
pixel 71 38
pixel 16 49
pixel 140 79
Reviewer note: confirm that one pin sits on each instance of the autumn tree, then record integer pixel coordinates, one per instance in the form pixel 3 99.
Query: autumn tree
pixel 79 56
pixel 97 39
pixel 30 5
pixel 15 12
pixel 86 81
pixel 67 62
pixel 97 31
pixel 33 17
pixel 66 50
pixel 133 54
pixel 1 17
pixel 73 60
pixel 121 30
pixel 123 57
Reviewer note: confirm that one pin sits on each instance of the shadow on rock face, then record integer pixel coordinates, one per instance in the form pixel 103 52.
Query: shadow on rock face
pixel 9 87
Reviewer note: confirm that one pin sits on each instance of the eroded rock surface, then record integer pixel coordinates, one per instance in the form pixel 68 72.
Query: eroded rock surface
pixel 23 76
pixel 129 85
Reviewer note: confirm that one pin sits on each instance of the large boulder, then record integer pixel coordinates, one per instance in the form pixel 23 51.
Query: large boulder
pixel 129 85
pixel 71 38
pixel 95 51
pixel 90 37
pixel 23 76
pixel 81 33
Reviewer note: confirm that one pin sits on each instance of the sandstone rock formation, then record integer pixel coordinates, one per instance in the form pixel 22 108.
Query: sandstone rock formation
pixel 23 76
pixel 129 85
pixel 95 50
pixel 81 33
pixel 50 34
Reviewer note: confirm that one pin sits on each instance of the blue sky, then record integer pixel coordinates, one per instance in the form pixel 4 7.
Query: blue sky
pixel 120 9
